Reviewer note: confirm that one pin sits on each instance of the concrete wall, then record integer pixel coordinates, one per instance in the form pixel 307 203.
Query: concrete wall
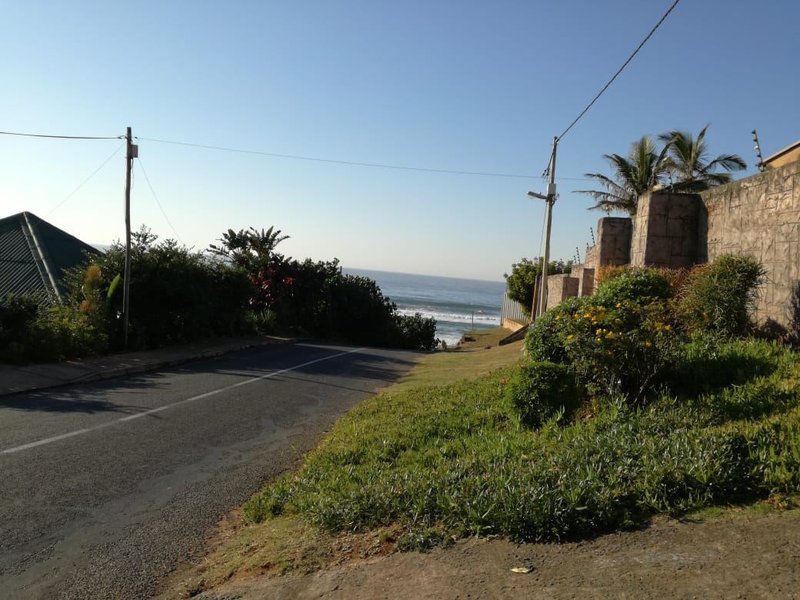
pixel 666 230
pixel 560 287
pixel 758 216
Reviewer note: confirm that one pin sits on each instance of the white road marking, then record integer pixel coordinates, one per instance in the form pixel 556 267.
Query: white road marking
pixel 151 411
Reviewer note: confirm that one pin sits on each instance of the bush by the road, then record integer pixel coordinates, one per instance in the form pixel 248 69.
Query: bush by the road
pixel 720 297
pixel 30 331
pixel 316 298
pixel 522 279
pixel 177 295
pixel 541 390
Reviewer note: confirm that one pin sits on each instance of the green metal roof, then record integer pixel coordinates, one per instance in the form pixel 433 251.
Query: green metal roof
pixel 34 255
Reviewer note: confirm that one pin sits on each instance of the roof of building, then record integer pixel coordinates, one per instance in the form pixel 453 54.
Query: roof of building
pixel 780 153
pixel 34 255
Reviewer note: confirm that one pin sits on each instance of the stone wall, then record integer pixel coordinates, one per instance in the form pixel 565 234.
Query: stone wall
pixel 758 216
pixel 560 287
pixel 666 230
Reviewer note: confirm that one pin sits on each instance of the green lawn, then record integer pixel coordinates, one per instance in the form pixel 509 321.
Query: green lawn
pixel 444 461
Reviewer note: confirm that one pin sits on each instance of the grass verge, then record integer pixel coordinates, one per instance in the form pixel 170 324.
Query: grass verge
pixel 290 543
pixel 442 455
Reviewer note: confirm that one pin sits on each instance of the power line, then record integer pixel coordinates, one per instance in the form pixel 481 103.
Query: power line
pixel 346 162
pixel 155 197
pixel 63 137
pixel 625 64
pixel 85 181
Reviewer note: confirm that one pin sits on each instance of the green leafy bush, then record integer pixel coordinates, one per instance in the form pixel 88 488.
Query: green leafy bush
pixel 62 332
pixel 623 349
pixel 17 315
pixel 33 332
pixel 522 279
pixel 414 332
pixel 545 338
pixel 721 297
pixel 177 295
pixel 541 390
pixel 316 298
pixel 634 285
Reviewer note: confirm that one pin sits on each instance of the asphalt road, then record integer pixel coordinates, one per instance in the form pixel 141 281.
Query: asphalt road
pixel 106 487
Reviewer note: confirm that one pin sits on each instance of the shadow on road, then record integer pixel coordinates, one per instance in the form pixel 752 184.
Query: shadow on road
pixel 92 397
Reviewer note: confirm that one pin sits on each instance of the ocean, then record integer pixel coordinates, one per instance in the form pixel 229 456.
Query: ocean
pixel 455 303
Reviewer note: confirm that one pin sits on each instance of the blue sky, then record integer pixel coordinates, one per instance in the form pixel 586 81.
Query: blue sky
pixel 458 85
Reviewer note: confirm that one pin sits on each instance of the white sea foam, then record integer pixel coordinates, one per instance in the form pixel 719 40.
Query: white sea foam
pixel 480 318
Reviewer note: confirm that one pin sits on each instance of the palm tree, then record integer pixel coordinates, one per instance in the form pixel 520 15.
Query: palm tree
pixel 688 162
pixel 249 248
pixel 642 170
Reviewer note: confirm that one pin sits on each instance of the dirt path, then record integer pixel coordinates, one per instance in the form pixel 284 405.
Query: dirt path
pixel 742 557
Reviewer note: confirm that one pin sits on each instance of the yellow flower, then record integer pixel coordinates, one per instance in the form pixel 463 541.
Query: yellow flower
pixel 569 338
pixel 586 315
pixel 619 304
pixel 648 343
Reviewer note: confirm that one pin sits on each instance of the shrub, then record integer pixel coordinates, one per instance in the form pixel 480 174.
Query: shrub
pixel 63 332
pixel 623 349
pixel 32 332
pixel 545 338
pixel 540 390
pixel 522 279
pixel 17 315
pixel 414 332
pixel 176 294
pixel 634 285
pixel 721 297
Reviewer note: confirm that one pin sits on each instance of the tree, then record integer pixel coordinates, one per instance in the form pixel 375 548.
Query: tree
pixel 642 170
pixel 250 249
pixel 689 166
pixel 520 283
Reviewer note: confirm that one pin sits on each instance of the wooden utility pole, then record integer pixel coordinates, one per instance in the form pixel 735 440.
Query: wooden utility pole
pixel 551 199
pixel 132 152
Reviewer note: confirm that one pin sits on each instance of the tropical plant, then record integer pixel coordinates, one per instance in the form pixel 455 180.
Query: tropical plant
pixel 688 165
pixel 250 248
pixel 642 170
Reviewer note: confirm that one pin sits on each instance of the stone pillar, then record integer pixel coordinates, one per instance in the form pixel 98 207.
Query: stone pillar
pixel 666 233
pixel 560 287
pixel 613 241
pixel 585 277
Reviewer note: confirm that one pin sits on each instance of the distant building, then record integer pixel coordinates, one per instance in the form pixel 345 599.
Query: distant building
pixel 34 255
pixel 788 155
